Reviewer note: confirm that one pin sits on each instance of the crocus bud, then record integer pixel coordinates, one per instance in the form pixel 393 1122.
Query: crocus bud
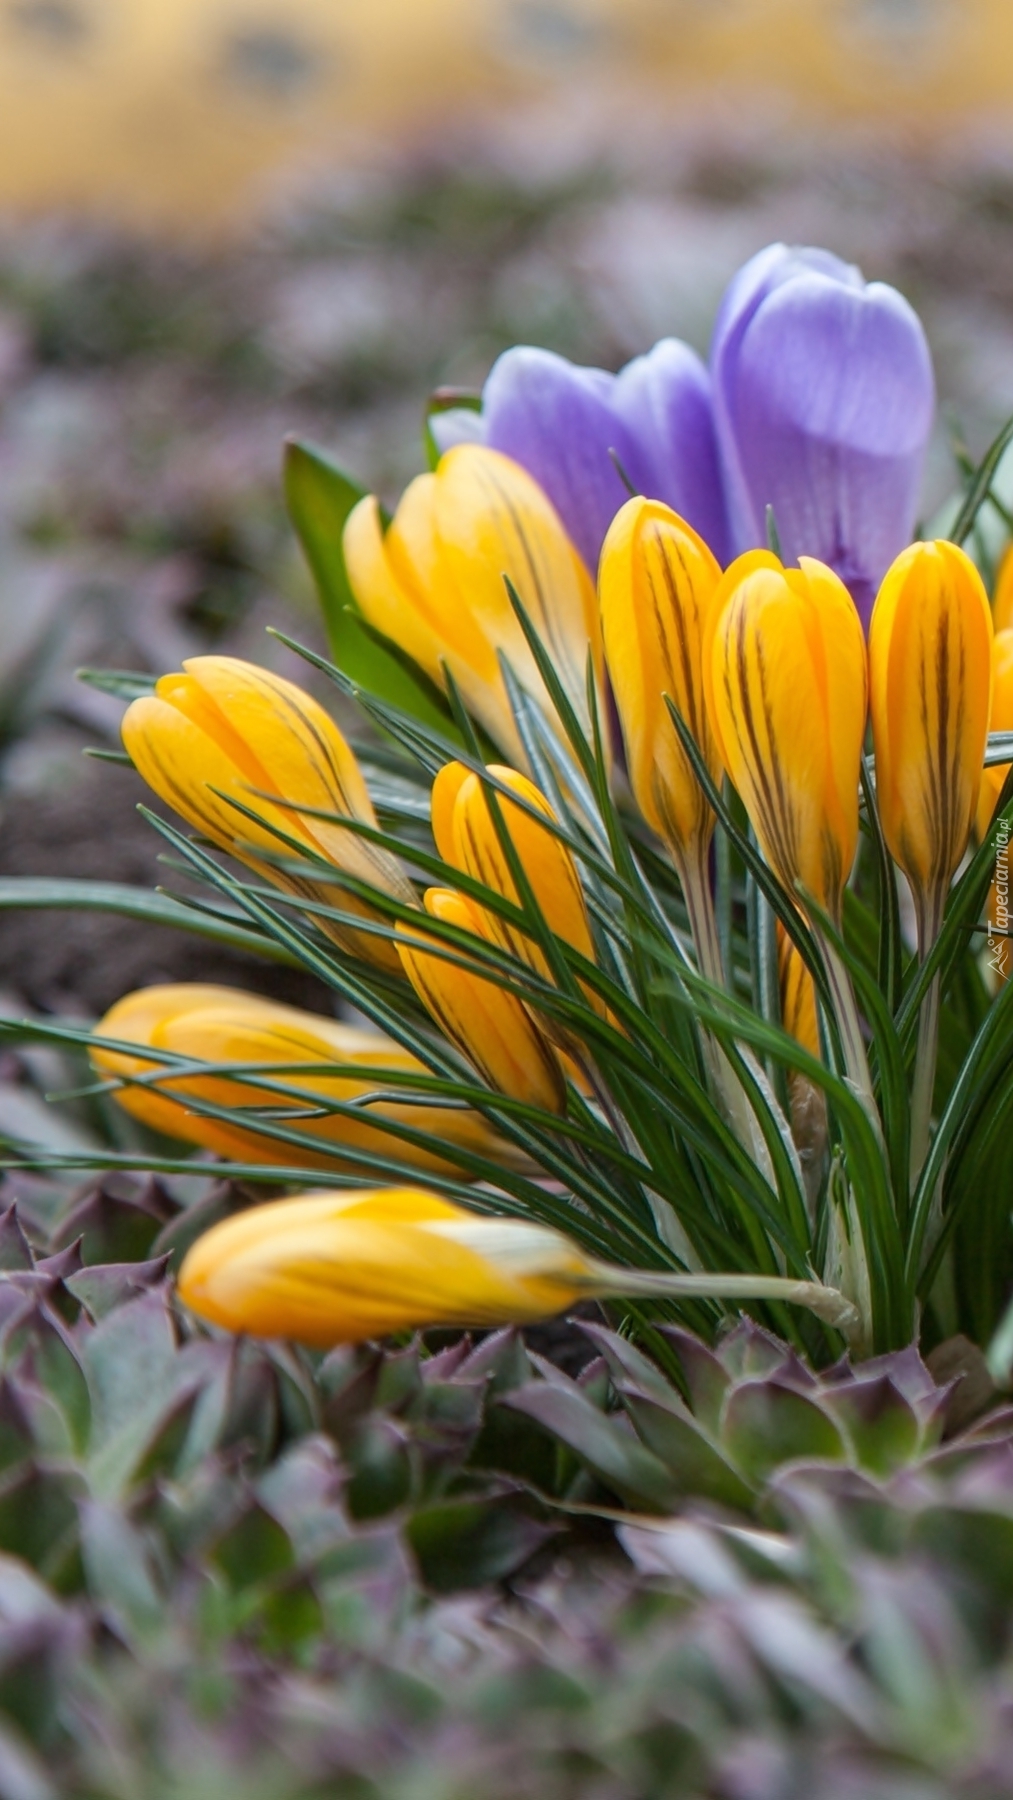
pixel 656 583
pixel 466 837
pixel 561 422
pixel 493 1029
pixel 290 1049
pixel 824 399
pixel 930 668
pixel 434 584
pixel 1000 719
pixel 337 1268
pixel 223 730
pixel 786 686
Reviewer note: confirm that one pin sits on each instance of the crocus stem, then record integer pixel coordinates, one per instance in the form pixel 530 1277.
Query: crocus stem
pixel 703 925
pixel 929 917
pixel 828 1303
pixel 856 1062
pixel 669 1227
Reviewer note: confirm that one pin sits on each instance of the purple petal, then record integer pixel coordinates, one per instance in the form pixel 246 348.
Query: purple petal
pixel 664 398
pixel 824 400
pixel 561 422
pixel 555 419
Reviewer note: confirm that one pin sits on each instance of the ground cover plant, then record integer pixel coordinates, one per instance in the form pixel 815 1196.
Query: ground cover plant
pixel 639 1018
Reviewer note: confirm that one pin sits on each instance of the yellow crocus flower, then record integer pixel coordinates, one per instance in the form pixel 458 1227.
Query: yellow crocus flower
pixel 930 666
pixel 1000 719
pixel 656 582
pixel 220 1025
pixel 337 1268
pixel 330 1269
pixel 434 584
pixel 223 729
pixel 466 837
pixel 785 678
pixel 493 1029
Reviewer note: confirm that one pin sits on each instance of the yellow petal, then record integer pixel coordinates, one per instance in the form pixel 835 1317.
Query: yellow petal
pixel 930 660
pixel 224 730
pixel 798 995
pixel 328 1270
pixel 491 1028
pixel 1002 599
pixel 786 688
pixel 387 603
pixel 657 580
pixel 223 1025
pixel 1001 719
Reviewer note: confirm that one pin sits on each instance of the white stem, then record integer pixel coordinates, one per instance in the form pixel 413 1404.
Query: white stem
pixel 929 910
pixel 828 1304
pixel 692 869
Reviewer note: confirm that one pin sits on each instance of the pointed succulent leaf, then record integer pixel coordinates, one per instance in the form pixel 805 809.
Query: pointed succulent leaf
pixel 103 1287
pixel 707 1378
pixel 697 1465
pixel 117 1220
pixel 118 1566
pixel 15 1250
pixel 38 1516
pixel 52 1363
pixel 613 1454
pixel 381 1468
pixel 880 1424
pixel 16 1434
pixel 750 1352
pixel 465 1544
pixel 626 1363
pixel 501 1360
pixel 254 1548
pixel 767 1423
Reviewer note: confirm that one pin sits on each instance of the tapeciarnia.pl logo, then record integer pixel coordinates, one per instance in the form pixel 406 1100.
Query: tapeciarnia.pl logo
pixel 998 928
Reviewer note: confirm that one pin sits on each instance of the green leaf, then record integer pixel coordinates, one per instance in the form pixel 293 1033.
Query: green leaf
pixel 618 1460
pixel 767 1424
pixel 698 1467
pixel 320 497
pixel 464 1544
pixel 149 908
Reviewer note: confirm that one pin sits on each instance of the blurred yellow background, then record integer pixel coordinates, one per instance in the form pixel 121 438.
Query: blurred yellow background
pixel 182 110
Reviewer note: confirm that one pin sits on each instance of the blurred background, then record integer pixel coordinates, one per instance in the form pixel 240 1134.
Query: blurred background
pixel 225 220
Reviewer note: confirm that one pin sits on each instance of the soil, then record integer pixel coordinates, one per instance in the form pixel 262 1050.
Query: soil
pixel 81 962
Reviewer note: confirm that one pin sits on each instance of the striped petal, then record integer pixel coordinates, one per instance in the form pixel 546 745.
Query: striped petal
pixel 493 1029
pixel 930 660
pixel 657 580
pixel 786 685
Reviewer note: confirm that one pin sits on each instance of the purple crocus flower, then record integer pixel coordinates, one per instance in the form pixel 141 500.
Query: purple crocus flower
pixel 824 399
pixel 561 421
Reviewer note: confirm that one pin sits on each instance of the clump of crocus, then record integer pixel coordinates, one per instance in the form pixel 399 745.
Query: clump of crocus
pixel 238 752
pixel 435 583
pixel 487 1023
pixel 824 400
pixel 263 1070
pixel 570 426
